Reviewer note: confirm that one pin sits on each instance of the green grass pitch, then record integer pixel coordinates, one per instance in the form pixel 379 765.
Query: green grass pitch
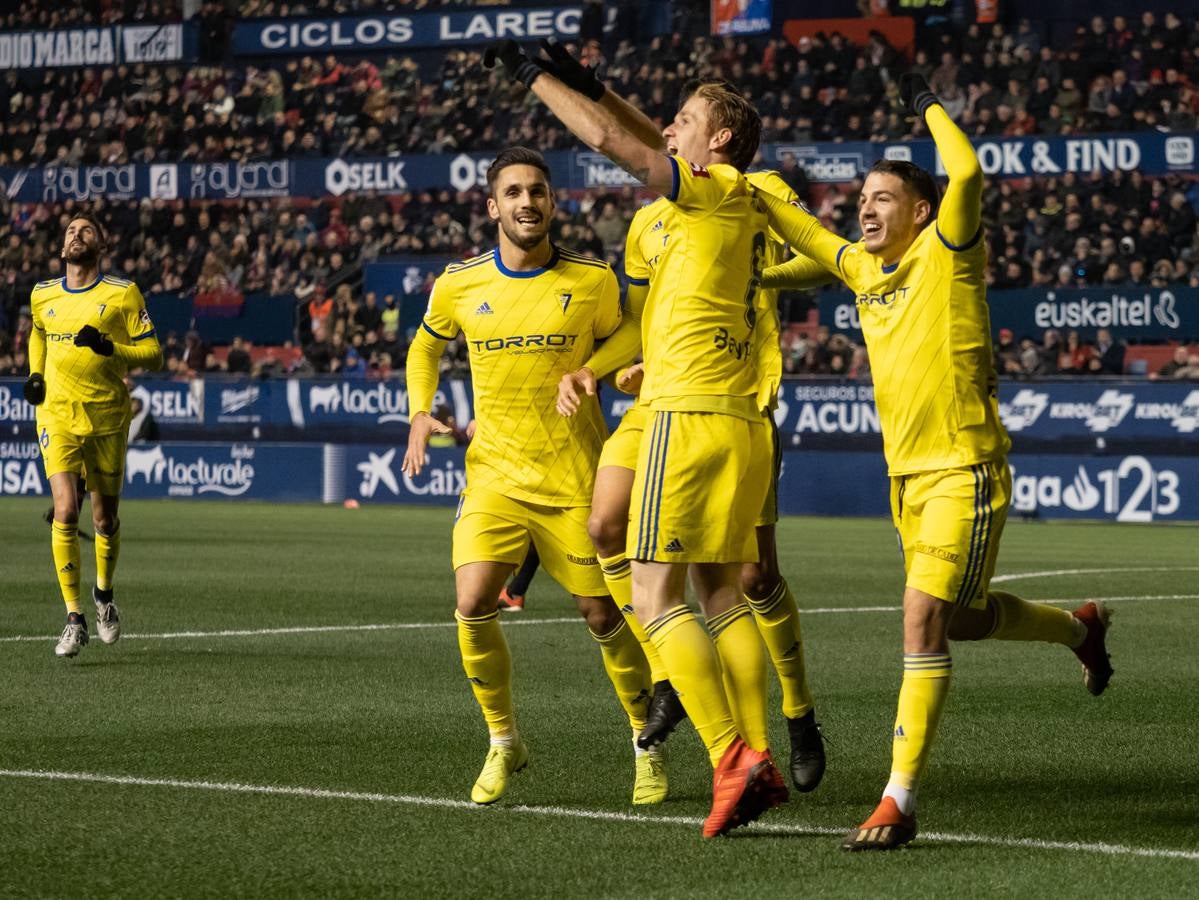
pixel 228 746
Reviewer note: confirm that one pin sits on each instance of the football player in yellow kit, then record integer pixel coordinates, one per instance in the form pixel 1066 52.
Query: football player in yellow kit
pixel 697 490
pixel 921 296
pixel 531 311
pixel 89 329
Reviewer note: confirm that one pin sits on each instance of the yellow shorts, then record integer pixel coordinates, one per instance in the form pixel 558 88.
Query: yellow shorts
pixel 698 488
pixel 495 528
pixel 770 506
pixel 620 450
pixel 949 523
pixel 102 456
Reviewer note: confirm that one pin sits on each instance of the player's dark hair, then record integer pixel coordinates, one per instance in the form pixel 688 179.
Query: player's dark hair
pixel 95 223
pixel 515 156
pixel 728 109
pixel 919 181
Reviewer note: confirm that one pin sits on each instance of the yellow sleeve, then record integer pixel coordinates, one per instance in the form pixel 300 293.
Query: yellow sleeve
pixel 608 317
pixel 440 320
pixel 37 343
pixel 960 216
pixel 438 328
pixel 636 267
pixel 804 232
pixel 144 351
pixel 697 189
pixel 798 274
pixel 624 345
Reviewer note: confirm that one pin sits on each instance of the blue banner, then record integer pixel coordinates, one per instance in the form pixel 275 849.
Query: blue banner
pixel 258 37
pixel 98 46
pixel 1121 488
pixel 1151 153
pixel 1130 313
pixel 312 404
pixel 1041 410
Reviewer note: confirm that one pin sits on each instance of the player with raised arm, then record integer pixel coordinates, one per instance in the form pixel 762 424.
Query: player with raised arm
pixel 696 490
pixel 531 311
pixel 767 592
pixel 89 329
pixel 921 296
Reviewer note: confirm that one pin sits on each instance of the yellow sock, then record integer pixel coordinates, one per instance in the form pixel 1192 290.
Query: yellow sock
pixel 619 579
pixel 1022 620
pixel 108 549
pixel 488 666
pixel 64 545
pixel 921 701
pixel 628 671
pixel 778 622
pixel 694 670
pixel 743 664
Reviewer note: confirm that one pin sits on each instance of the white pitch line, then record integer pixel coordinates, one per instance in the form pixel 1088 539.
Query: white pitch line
pixel 574 813
pixel 1053 573
pixel 411 626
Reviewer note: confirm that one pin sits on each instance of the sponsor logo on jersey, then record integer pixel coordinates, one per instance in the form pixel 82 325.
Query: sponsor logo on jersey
pixel 484 309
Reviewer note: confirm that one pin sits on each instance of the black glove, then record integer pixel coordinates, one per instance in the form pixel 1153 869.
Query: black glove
pixel 573 73
pixel 520 67
pixel 90 336
pixel 915 94
pixel 35 389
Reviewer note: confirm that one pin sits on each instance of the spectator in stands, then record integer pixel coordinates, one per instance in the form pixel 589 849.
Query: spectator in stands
pixel 1109 353
pixel 1176 368
pixel 1007 354
pixel 238 362
pixel 1075 356
pixel 319 352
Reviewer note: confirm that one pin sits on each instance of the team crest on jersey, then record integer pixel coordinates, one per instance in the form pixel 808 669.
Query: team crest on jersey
pixel 699 171
pixel 564 299
pixel 144 315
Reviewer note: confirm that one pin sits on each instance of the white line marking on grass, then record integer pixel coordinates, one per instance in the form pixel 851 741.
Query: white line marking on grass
pixel 411 626
pixel 1053 573
pixel 585 814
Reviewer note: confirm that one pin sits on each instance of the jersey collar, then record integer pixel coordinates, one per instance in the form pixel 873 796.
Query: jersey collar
pixel 99 278
pixel 530 273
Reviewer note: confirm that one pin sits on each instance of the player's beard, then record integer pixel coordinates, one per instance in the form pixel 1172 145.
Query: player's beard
pixel 526 241
pixel 87 257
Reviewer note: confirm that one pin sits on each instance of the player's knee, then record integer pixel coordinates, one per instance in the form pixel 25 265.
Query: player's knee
pixel 66 512
pixel 471 606
pixel 104 524
pixel 600 613
pixel 607 534
pixel 757 580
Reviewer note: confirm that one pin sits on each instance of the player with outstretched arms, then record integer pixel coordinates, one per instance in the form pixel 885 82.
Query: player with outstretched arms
pixel 531 311
pixel 89 329
pixel 921 297
pixel 697 489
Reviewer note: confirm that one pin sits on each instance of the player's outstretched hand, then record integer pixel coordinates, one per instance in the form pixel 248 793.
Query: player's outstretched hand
pixel 89 336
pixel 421 426
pixel 629 380
pixel 571 72
pixel 35 389
pixel 518 66
pixel 572 388
pixel 915 93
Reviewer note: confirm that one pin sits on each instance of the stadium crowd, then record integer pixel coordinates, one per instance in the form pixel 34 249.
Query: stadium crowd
pixel 1117 230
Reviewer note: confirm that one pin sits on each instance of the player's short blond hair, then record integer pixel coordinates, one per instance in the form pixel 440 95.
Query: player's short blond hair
pixel 728 109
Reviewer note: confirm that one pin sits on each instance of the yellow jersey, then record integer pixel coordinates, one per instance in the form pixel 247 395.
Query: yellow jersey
pixel 928 332
pixel 701 313
pixel 85 392
pixel 524 331
pixel 925 319
pixel 767 350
